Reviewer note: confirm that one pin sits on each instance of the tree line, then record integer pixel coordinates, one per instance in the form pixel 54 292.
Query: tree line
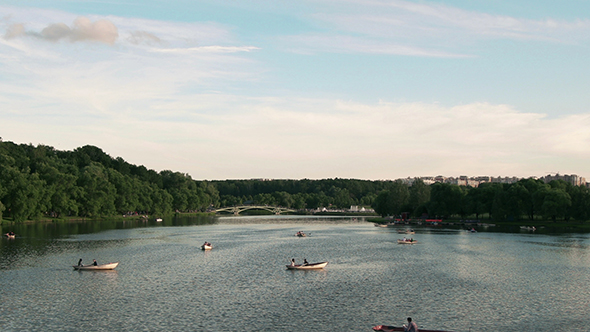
pixel 527 199
pixel 40 181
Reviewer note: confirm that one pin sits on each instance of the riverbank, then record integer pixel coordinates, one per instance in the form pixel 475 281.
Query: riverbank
pixel 538 224
pixel 8 221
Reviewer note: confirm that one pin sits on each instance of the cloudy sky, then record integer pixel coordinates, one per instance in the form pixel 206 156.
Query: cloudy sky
pixel 366 89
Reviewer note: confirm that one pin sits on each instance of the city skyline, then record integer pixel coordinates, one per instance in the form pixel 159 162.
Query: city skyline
pixel 381 89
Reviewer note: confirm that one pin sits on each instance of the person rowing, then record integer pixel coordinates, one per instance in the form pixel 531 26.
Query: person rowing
pixel 411 327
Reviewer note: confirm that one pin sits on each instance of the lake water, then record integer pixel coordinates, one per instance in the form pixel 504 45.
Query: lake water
pixel 451 279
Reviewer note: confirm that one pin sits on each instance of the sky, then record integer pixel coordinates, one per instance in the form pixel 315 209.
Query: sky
pixel 363 89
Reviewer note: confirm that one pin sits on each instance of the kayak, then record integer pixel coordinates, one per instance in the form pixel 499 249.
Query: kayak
pixel 109 266
pixel 386 328
pixel 313 266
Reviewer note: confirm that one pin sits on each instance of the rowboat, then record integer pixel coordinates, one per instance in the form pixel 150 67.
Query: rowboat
pixel 407 241
pixel 109 266
pixel 10 236
pixel 313 266
pixel 206 247
pixel 386 328
pixel 301 234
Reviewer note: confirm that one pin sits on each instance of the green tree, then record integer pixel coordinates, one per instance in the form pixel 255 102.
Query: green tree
pixel 556 202
pixel 419 196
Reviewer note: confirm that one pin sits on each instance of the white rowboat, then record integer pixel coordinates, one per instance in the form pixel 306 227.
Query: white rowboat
pixel 313 266
pixel 109 266
pixel 407 241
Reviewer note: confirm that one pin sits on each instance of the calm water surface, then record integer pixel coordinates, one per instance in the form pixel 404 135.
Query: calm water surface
pixel 451 279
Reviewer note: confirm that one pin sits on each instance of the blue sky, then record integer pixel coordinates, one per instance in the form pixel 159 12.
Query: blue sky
pixel 304 89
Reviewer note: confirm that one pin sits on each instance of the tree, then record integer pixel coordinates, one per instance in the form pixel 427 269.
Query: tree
pixel 555 203
pixel 391 202
pixel 419 195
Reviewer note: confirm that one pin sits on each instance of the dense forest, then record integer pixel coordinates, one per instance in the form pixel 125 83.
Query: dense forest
pixel 42 182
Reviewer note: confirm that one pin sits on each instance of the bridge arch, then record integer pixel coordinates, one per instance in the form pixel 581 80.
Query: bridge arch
pixel 236 210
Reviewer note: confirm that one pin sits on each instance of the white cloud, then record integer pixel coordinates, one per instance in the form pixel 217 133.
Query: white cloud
pixel 423 29
pixel 207 49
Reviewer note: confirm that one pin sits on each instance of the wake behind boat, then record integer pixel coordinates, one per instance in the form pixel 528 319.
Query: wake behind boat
pixel 386 328
pixel 313 266
pixel 109 266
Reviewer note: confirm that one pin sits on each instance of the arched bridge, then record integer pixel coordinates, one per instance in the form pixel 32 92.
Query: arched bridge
pixel 241 208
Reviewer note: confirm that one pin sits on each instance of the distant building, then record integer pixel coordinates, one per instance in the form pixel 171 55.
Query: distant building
pixel 464 180
pixel 573 179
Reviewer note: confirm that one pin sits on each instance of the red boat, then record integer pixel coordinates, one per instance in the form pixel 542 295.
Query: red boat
pixel 386 328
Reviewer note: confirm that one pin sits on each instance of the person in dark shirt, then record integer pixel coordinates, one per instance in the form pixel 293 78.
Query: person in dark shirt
pixel 94 262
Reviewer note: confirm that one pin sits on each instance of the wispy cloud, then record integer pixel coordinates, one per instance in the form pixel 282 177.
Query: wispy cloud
pixel 207 49
pixel 424 29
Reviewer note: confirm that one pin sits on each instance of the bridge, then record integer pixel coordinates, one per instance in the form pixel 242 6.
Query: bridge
pixel 236 210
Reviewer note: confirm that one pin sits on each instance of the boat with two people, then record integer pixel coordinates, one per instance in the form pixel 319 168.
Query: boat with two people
pixel 206 246
pixel 10 235
pixel 301 234
pixel 306 265
pixel 95 266
pixel 407 241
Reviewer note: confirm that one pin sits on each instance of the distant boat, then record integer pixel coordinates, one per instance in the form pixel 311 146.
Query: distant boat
pixel 407 241
pixel 206 247
pixel 301 234
pixel 313 266
pixel 109 266
pixel 10 236
pixel 158 219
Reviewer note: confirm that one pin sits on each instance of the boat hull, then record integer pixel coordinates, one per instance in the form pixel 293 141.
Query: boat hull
pixel 314 266
pixel 109 266
pixel 406 242
pixel 386 328
pixel 204 247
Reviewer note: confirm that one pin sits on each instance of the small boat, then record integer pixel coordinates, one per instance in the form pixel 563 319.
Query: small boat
pixel 10 236
pixel 206 247
pixel 109 266
pixel 407 241
pixel 528 228
pixel 386 328
pixel 158 219
pixel 313 266
pixel 301 234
